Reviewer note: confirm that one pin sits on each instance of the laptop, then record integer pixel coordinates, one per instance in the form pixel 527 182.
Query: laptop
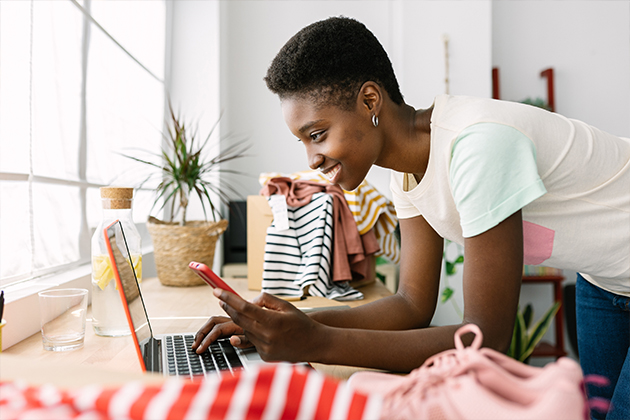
pixel 169 354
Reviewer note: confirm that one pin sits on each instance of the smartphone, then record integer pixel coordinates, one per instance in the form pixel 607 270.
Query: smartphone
pixel 209 277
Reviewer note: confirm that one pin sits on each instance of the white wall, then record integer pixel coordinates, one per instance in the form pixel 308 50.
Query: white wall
pixel 192 74
pixel 252 32
pixel 586 42
pixel 193 61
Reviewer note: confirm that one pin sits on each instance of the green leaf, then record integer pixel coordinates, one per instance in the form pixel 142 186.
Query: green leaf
pixel 539 329
pixel 447 293
pixel 512 350
pixel 519 335
pixel 528 313
pixel 450 268
pixel 381 260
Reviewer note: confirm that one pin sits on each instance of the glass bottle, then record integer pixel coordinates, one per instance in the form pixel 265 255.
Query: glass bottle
pixel 108 314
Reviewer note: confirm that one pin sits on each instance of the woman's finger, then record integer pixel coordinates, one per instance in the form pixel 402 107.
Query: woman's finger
pixel 207 327
pixel 225 329
pixel 240 341
pixel 265 300
pixel 240 318
pixel 239 304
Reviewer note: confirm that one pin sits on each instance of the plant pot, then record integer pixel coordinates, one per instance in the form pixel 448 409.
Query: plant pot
pixel 176 246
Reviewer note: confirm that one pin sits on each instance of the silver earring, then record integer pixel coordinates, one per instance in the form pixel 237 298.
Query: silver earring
pixel 374 120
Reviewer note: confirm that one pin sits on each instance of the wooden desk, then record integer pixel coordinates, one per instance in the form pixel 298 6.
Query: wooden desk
pixel 114 360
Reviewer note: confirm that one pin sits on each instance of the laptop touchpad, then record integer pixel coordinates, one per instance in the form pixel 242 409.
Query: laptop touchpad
pixel 250 354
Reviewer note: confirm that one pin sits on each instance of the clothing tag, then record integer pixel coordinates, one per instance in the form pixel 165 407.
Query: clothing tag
pixel 278 204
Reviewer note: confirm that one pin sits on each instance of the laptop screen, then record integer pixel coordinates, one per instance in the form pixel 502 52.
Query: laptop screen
pixel 121 264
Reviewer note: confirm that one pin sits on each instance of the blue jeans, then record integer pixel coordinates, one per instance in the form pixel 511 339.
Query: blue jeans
pixel 603 333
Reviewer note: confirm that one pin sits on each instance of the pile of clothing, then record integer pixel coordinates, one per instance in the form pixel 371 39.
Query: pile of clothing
pixel 331 238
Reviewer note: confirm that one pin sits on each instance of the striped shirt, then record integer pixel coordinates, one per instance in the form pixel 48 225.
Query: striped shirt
pixel 301 256
pixel 279 391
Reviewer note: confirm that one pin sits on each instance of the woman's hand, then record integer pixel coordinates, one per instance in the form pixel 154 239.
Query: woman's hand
pixel 219 327
pixel 279 331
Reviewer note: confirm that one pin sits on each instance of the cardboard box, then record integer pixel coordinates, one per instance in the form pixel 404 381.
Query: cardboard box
pixel 259 218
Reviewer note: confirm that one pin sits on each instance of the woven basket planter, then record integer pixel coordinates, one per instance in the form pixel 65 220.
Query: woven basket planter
pixel 176 246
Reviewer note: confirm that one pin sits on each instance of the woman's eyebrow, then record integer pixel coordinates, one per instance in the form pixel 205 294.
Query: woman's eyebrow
pixel 308 125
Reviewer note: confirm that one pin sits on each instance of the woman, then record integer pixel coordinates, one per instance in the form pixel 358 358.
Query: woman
pixel 514 184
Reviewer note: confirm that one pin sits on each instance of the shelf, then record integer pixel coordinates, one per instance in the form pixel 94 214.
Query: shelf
pixel 543 279
pixel 544 349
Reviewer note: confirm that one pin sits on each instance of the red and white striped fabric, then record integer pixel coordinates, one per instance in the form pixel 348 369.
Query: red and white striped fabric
pixel 280 391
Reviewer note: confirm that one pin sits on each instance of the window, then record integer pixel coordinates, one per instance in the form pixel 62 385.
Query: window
pixel 80 83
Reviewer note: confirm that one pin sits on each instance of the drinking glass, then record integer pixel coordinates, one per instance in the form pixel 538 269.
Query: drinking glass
pixel 63 318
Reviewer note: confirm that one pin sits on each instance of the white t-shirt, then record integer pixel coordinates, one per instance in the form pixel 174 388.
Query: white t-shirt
pixel 490 158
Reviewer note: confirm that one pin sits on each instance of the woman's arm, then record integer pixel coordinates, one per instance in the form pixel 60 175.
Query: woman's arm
pixel 493 271
pixel 414 304
pixel 492 275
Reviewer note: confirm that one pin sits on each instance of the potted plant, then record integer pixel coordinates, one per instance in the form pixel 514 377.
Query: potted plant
pixel 525 336
pixel 185 168
pixel 538 102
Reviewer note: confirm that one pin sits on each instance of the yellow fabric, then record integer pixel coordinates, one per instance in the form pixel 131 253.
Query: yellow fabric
pixel 370 209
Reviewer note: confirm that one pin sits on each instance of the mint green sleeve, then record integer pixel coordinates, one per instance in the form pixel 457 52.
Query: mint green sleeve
pixel 493 174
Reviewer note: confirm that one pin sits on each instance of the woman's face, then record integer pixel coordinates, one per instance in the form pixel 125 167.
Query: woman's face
pixel 342 144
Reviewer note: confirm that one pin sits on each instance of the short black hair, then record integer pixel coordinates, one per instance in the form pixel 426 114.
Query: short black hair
pixel 329 61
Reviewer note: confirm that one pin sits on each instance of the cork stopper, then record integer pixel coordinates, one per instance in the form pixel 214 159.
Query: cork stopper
pixel 116 197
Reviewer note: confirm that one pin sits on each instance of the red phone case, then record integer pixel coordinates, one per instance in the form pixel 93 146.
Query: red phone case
pixel 209 276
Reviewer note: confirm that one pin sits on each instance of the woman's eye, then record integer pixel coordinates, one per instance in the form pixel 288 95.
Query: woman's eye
pixel 316 136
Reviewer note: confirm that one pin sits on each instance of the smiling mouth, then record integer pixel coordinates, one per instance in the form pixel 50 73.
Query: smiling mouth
pixel 330 172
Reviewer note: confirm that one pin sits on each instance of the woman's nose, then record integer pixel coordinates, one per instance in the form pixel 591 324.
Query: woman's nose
pixel 315 161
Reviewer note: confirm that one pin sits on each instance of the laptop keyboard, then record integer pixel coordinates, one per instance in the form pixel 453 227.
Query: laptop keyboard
pixel 183 361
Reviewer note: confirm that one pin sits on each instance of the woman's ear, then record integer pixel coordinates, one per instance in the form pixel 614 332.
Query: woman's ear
pixel 370 98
